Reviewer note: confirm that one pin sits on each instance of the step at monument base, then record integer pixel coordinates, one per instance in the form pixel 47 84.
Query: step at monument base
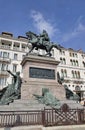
pixel 28 105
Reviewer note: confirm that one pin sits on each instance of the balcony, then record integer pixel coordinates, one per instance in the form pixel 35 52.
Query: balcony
pixel 3 73
pixel 16 48
pixel 6 59
pixel 74 80
pixel 5 47
pixel 67 79
pixel 78 81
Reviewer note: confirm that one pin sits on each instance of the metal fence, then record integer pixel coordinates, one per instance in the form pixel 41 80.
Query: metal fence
pixel 46 117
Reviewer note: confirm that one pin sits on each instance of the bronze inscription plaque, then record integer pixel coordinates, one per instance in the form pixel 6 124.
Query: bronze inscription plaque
pixel 41 73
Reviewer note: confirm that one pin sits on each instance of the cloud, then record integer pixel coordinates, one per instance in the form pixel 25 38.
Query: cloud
pixel 41 23
pixel 54 32
pixel 77 31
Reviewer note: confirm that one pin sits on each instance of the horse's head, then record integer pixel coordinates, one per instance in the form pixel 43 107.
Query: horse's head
pixel 31 35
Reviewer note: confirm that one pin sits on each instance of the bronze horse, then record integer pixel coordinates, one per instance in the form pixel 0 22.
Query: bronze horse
pixel 35 41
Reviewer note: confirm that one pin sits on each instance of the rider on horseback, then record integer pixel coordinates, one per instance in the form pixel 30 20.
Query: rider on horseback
pixel 44 38
pixel 41 41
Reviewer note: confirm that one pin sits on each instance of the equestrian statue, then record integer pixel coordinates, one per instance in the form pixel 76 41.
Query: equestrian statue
pixel 41 41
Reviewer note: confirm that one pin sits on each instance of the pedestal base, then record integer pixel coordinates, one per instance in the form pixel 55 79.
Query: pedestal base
pixel 40 72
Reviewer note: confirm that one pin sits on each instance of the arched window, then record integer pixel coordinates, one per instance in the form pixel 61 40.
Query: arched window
pixel 64 61
pixel 83 64
pixel 62 74
pixel 65 73
pixel 73 75
pixel 76 55
pixel 77 63
pixel 71 62
pixel 61 60
pixel 77 88
pixel 74 63
pixel 78 74
pixel 70 54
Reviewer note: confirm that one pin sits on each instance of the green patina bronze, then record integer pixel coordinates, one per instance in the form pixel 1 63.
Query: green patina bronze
pixel 12 91
pixel 70 95
pixel 41 41
pixel 47 98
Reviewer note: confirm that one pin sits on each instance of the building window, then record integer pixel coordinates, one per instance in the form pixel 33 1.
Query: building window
pixel 15 56
pixel 77 88
pixel 83 56
pixel 63 73
pixel 76 55
pixel 62 52
pixel 83 64
pixel 71 54
pixel 14 68
pixel 0 53
pixel 78 74
pixel 5 55
pixel 3 81
pixel 77 63
pixel 23 57
pixel 75 74
pixel 62 60
pixel 71 62
pixel 74 63
pixel 3 67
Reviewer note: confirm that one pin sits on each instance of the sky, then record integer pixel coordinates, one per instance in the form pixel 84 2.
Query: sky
pixel 64 20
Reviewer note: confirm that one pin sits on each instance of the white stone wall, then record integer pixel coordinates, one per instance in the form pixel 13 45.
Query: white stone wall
pixel 69 69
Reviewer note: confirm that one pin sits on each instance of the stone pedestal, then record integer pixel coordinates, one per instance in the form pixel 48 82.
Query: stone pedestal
pixel 40 72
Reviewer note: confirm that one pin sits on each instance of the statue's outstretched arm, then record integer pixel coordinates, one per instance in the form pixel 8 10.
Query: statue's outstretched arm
pixel 10 72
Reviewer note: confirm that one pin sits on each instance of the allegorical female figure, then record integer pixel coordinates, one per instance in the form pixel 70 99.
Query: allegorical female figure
pixel 13 90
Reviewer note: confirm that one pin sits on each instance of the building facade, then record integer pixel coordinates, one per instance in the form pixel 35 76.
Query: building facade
pixel 12 51
pixel 71 67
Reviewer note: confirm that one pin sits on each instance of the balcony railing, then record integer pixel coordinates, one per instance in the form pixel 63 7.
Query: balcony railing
pixel 3 73
pixel 23 49
pixel 75 80
pixel 5 59
pixel 16 48
pixel 5 47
